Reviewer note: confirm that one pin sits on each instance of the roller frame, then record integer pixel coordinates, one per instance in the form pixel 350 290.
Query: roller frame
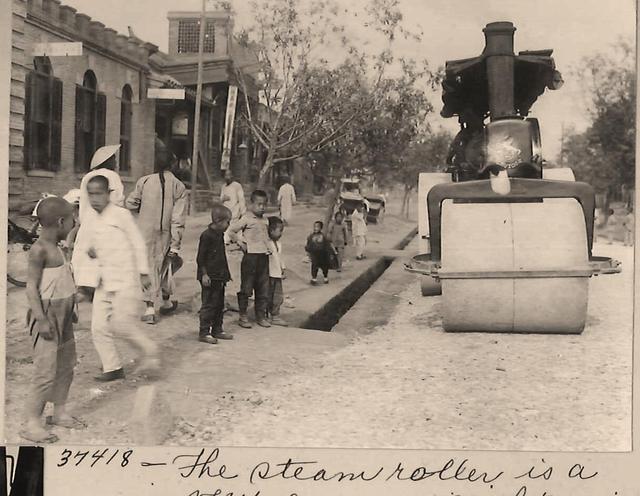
pixel 522 190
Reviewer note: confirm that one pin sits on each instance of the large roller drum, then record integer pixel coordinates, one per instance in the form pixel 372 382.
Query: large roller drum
pixel 514 267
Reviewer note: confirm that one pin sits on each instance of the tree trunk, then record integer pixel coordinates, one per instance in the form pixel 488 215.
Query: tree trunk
pixel 405 202
pixel 266 167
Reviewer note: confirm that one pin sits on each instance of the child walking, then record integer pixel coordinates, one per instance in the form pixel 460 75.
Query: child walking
pixel 276 272
pixel 254 268
pixel 318 249
pixel 359 228
pixel 213 275
pixel 51 295
pixel 113 241
pixel 338 236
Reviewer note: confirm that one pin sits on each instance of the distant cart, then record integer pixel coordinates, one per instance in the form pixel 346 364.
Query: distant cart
pixel 376 208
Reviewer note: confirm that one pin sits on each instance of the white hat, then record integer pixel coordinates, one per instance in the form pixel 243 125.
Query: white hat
pixel 73 196
pixel 102 155
pixel 42 197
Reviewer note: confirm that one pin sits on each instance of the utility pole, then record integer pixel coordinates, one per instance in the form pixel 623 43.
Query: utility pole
pixel 562 144
pixel 196 123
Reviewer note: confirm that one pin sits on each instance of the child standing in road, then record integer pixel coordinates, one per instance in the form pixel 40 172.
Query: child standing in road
pixel 359 227
pixel 51 295
pixel 254 268
pixel 213 274
pixel 112 241
pixel 276 272
pixel 318 247
pixel 337 234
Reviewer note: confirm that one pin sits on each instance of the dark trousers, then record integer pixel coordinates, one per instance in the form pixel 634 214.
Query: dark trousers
pixel 319 261
pixel 254 278
pixel 212 307
pixel 276 296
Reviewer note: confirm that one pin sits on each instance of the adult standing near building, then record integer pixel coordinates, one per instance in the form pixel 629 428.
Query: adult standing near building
pixel 160 199
pixel 286 200
pixel 232 197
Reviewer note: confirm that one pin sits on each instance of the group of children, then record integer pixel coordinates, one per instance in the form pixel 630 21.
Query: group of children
pixel 112 245
pixel 116 257
pixel 262 268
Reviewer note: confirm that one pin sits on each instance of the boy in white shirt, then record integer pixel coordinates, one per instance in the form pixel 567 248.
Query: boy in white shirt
pixel 276 271
pixel 119 258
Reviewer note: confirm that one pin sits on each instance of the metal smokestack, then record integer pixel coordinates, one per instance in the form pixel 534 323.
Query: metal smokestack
pixel 500 68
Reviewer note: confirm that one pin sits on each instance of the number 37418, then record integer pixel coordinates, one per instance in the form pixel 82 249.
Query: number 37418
pixel 106 456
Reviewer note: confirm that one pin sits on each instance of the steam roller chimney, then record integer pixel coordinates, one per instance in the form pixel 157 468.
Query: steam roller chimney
pixel 500 60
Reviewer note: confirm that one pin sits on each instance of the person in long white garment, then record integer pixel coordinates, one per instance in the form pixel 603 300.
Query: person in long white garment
pixel 103 163
pixel 286 200
pixel 161 200
pixel 232 197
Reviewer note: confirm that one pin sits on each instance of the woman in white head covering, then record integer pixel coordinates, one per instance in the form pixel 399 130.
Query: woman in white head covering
pixel 104 163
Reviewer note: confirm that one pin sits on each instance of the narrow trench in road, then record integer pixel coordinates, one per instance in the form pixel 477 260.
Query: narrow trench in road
pixel 332 311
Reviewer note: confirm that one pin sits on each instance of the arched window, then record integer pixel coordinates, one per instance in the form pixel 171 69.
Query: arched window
pixel 126 111
pixel 43 117
pixel 91 110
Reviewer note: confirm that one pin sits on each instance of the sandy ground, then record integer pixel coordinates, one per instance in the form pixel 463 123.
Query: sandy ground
pixel 411 385
pixel 407 384
pixel 196 375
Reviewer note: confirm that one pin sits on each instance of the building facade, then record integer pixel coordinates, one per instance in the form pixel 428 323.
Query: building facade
pixel 65 107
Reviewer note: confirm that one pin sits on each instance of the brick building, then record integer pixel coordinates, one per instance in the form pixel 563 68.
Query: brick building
pixel 63 108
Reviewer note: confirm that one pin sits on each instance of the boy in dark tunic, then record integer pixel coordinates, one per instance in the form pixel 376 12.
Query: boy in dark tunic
pixel 213 274
pixel 318 247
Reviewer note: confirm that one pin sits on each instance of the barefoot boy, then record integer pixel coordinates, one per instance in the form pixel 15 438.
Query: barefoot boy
pixel 51 295
pixel 113 241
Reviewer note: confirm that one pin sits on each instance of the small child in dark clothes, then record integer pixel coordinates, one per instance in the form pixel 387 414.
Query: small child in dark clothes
pixel 213 274
pixel 318 247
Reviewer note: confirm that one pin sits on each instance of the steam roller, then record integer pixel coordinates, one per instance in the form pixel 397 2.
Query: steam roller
pixel 506 240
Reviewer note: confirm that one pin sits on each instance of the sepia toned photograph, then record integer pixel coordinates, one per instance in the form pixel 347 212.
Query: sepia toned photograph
pixel 399 224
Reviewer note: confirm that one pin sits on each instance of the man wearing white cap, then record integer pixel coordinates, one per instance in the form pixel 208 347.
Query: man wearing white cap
pixel 103 163
pixel 161 200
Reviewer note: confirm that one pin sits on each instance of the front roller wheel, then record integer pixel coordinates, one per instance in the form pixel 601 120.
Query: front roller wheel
pixel 430 287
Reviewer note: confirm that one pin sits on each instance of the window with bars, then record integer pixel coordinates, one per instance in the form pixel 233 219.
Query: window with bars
pixel 189 36
pixel 91 113
pixel 43 117
pixel 126 112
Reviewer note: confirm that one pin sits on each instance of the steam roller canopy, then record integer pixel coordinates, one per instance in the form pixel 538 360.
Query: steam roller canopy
pixel 514 267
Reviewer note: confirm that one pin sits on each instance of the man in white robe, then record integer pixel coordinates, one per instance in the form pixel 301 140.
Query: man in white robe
pixel 286 200
pixel 232 197
pixel 161 200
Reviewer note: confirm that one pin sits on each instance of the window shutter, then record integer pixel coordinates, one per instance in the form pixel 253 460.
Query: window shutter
pixel 101 120
pixel 30 83
pixel 78 158
pixel 56 124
